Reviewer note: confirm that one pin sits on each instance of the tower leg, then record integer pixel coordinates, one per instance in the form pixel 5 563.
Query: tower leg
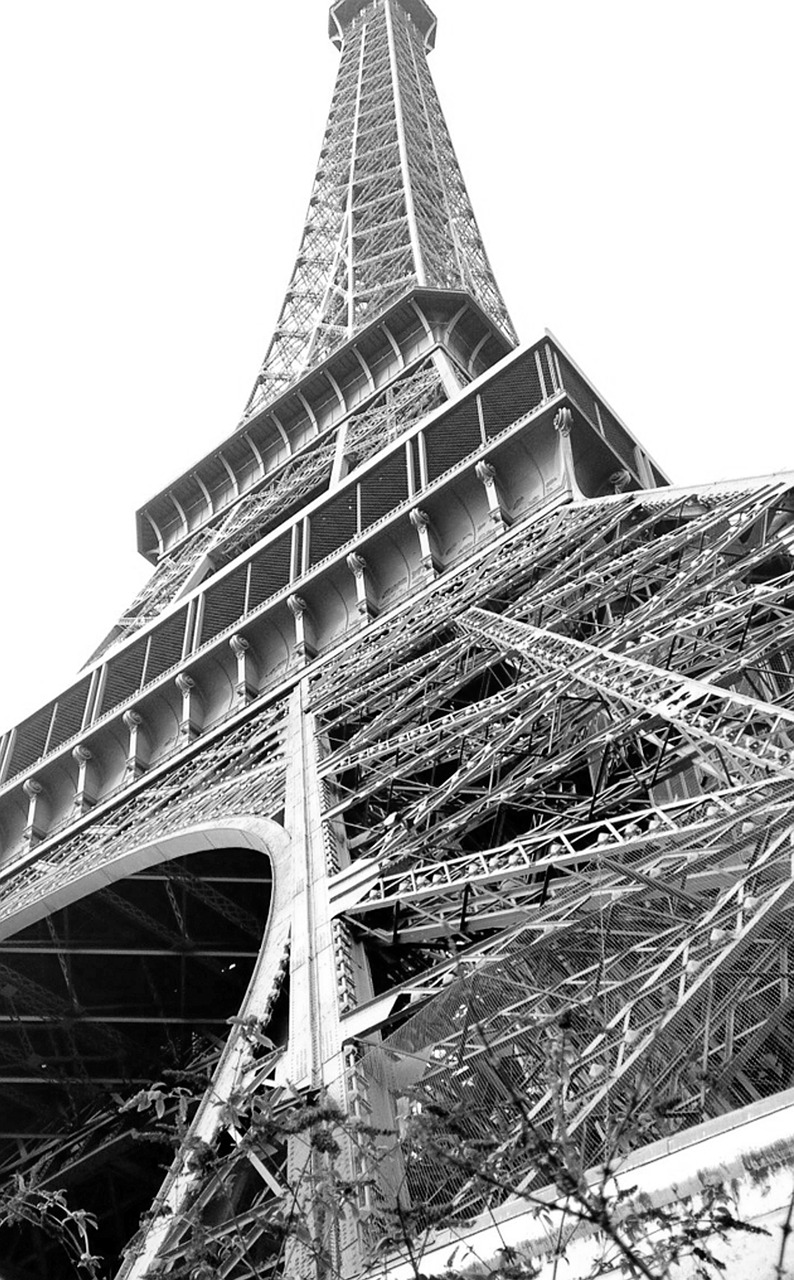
pixel 320 980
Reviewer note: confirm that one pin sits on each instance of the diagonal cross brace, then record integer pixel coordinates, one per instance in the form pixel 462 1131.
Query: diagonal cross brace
pixel 706 713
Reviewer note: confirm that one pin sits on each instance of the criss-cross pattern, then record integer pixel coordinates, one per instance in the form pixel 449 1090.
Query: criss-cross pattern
pixel 389 211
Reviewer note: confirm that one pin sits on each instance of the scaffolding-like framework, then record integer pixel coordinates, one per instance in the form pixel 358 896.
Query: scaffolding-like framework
pixel 433 727
pixel 612 813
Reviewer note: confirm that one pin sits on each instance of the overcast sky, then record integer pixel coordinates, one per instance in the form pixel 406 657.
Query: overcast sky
pixel 629 163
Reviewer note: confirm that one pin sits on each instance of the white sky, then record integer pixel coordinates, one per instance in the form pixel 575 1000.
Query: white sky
pixel 629 164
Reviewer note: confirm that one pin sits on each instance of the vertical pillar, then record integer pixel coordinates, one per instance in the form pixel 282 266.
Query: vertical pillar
pixel 304 648
pixel 643 467
pixel 447 373
pixel 364 603
pixel 421 522
pixel 563 425
pixel 322 979
pixel 34 827
pixel 486 474
pixel 85 796
pixel 341 456
pixel 135 766
pixel 7 743
pixel 245 689
pixel 402 142
pixel 190 721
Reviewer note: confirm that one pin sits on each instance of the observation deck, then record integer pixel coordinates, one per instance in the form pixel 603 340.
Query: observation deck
pixel 345 12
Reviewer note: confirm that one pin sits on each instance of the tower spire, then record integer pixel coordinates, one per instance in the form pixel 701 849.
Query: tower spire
pixel 389 210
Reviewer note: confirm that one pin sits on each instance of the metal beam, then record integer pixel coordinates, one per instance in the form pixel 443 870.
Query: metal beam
pixel 199 951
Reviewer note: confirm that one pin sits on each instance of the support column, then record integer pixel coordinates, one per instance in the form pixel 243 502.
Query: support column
pixel 321 974
pixel 35 826
pixel 190 722
pixel 360 571
pixel 85 796
pixel 304 648
pixel 245 688
pixel 486 474
pixel 402 140
pixel 563 425
pixel 447 373
pixel 7 743
pixel 341 463
pixel 135 766
pixel 421 522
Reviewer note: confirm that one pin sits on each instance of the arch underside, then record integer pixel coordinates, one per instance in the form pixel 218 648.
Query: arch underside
pixel 126 954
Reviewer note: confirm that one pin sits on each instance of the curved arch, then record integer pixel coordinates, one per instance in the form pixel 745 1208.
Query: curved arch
pixel 260 835
pixel 249 830
pixel 270 838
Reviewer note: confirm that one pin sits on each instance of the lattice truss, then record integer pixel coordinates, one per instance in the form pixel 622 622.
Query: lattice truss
pixel 565 780
pixel 389 209
pixel 300 479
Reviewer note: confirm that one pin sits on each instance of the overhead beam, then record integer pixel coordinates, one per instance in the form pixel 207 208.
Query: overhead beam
pixel 55 1020
pixel 76 949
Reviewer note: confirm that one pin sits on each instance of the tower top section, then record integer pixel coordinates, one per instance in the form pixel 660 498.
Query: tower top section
pixel 345 12
pixel 389 212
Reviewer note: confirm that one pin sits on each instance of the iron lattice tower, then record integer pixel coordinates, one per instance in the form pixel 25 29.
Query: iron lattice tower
pixel 389 211
pixel 440 698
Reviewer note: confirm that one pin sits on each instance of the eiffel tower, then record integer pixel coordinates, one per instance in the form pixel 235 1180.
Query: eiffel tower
pixel 438 687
